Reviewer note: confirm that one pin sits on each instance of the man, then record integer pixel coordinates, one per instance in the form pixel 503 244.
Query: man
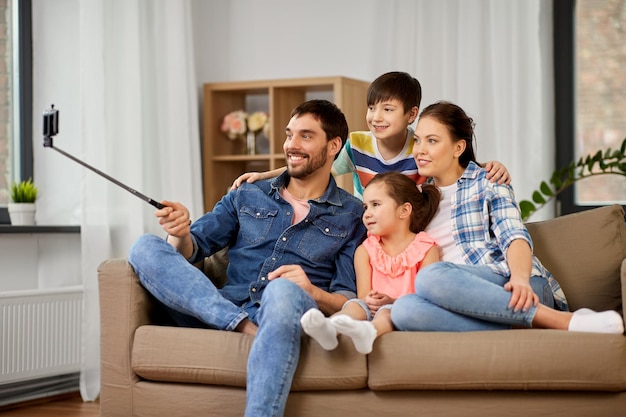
pixel 291 245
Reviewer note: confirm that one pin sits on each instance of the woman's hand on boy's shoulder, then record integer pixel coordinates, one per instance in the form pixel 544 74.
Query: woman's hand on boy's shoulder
pixel 247 177
pixel 256 176
pixel 497 172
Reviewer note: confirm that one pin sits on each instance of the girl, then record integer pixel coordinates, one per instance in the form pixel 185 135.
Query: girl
pixel 395 216
pixel 489 278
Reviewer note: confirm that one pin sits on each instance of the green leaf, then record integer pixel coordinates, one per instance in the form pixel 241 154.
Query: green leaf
pixel 545 189
pixel 571 172
pixel 608 162
pixel 538 198
pixel 526 209
pixel 589 163
pixel 23 191
pixel 597 157
pixel 556 180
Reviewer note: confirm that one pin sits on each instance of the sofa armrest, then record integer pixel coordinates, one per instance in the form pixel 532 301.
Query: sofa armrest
pixel 124 306
pixel 584 251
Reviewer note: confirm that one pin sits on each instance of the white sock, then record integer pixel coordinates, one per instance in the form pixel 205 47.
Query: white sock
pixel 316 325
pixel 586 320
pixel 363 333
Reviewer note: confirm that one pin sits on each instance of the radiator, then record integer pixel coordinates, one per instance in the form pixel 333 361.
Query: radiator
pixel 40 333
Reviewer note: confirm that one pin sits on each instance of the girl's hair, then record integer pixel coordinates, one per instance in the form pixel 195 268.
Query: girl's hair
pixel 424 198
pixel 458 123
pixel 395 85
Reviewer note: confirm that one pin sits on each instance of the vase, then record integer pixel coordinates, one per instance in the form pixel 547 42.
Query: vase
pixel 22 214
pixel 251 143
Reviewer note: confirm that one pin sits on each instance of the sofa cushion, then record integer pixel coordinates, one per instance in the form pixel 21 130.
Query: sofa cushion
pixel 176 354
pixel 528 359
pixel 584 251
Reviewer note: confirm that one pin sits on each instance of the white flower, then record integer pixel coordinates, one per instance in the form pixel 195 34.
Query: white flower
pixel 257 121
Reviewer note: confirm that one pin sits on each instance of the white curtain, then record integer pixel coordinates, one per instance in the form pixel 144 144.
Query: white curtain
pixel 139 124
pixel 494 59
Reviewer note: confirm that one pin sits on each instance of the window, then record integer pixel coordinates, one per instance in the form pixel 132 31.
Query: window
pixel 590 93
pixel 16 152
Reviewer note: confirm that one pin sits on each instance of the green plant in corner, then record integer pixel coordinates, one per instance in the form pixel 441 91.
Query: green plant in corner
pixel 24 191
pixel 601 163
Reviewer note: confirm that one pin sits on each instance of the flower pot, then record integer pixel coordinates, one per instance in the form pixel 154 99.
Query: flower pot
pixel 22 214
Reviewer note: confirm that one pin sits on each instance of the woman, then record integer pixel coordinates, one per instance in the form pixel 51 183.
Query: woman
pixel 489 279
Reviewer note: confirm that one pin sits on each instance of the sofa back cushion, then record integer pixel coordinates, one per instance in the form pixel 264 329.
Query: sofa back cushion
pixel 584 251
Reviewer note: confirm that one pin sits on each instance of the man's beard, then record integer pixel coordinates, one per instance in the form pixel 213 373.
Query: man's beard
pixel 313 164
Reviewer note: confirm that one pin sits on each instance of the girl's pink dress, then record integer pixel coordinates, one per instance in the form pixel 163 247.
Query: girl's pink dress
pixel 395 275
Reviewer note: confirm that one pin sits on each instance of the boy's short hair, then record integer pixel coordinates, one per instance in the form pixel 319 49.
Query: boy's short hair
pixel 395 85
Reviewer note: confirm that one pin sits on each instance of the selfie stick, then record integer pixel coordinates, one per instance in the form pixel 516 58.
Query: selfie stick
pixel 51 128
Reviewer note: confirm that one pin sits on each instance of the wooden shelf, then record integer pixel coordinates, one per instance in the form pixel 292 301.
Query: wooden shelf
pixel 224 160
pixel 242 157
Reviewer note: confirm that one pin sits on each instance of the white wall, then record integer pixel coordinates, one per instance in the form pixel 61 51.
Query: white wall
pixel 39 261
pixel 259 40
pixel 240 40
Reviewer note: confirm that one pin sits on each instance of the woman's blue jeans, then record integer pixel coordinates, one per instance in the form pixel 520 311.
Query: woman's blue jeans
pixel 193 299
pixel 457 298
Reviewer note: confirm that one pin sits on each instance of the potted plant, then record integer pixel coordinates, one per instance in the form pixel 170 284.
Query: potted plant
pixel 609 162
pixel 22 207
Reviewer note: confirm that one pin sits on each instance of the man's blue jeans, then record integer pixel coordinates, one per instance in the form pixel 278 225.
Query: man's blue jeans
pixel 457 298
pixel 186 291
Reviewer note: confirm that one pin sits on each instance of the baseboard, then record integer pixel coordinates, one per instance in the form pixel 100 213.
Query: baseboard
pixel 41 389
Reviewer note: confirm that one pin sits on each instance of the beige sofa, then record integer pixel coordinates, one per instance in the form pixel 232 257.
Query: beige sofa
pixel 152 369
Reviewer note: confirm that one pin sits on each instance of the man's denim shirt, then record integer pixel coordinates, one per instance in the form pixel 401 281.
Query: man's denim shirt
pixel 255 221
